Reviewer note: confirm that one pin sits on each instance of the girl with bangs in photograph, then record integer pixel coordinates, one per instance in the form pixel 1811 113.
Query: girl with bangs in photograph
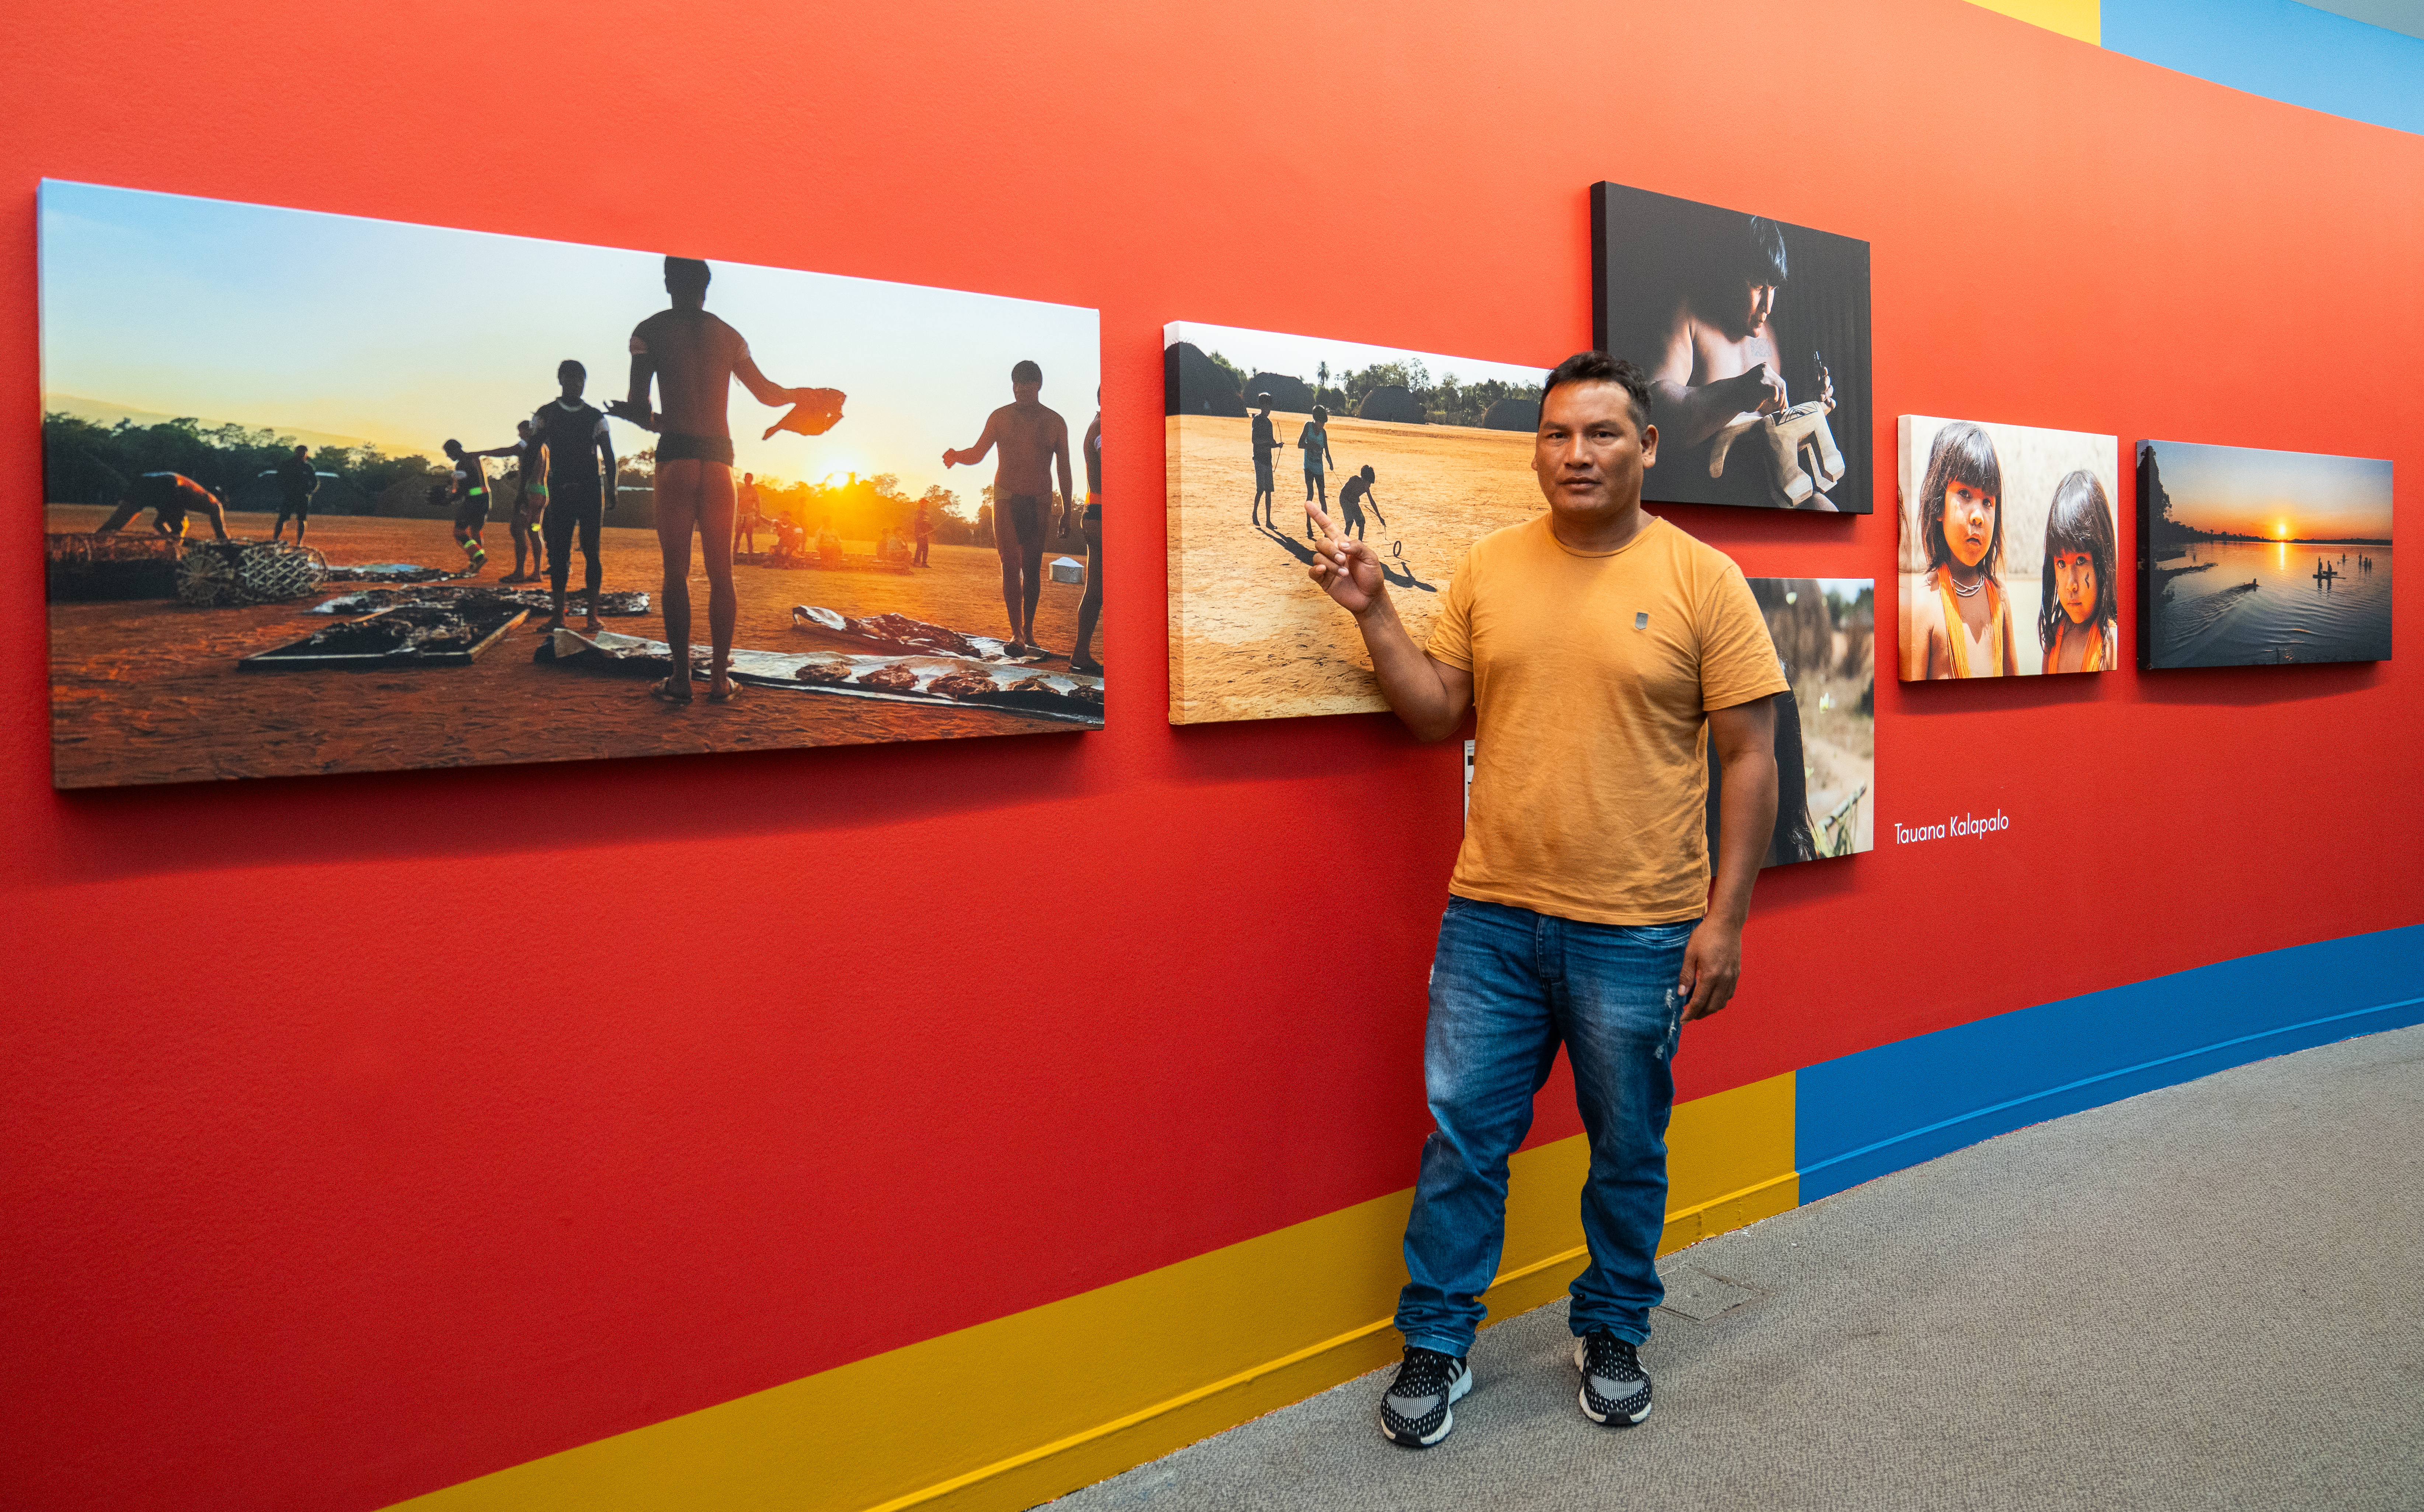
pixel 1962 624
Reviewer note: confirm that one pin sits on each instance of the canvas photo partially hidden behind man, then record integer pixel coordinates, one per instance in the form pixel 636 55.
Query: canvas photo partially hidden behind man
pixel 1755 335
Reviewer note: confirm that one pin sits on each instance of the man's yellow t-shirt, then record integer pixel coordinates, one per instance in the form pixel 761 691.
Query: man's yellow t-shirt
pixel 1592 676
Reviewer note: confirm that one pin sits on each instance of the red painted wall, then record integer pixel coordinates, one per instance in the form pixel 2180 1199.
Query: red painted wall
pixel 362 1135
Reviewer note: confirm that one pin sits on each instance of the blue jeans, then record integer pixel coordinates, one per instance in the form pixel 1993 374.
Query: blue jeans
pixel 1507 987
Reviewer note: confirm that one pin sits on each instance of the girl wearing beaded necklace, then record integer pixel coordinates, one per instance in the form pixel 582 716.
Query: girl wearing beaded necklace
pixel 1964 617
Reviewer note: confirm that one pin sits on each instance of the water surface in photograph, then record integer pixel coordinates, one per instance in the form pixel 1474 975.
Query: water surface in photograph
pixel 2231 603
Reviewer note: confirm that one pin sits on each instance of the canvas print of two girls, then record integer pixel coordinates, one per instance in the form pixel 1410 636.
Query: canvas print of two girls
pixel 2010 550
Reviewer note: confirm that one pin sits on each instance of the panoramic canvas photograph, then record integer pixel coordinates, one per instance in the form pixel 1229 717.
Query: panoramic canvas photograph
pixel 2254 558
pixel 1826 634
pixel 2011 555
pixel 1416 454
pixel 1754 333
pixel 329 494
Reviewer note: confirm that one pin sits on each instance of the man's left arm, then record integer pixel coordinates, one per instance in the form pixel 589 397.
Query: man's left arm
pixel 766 389
pixel 634 408
pixel 613 479
pixel 1060 454
pixel 1743 738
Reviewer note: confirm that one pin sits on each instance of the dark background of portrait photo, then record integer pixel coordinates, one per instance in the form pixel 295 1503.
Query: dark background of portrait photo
pixel 1648 250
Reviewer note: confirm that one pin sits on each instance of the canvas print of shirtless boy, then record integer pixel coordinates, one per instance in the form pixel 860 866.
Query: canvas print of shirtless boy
pixel 1418 454
pixel 1755 334
pixel 2011 554
pixel 672 453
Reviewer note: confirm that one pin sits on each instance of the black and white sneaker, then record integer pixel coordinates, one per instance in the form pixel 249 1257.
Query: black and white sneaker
pixel 1616 1389
pixel 1415 1412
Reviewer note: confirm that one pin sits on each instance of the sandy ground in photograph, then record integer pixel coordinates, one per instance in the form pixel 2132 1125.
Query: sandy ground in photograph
pixel 1839 749
pixel 148 691
pixel 1251 637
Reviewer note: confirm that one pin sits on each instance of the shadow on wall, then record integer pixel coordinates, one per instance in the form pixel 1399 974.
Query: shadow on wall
pixel 104 834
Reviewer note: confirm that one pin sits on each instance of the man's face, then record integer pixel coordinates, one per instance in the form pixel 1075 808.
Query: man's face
pixel 2074 576
pixel 1758 303
pixel 1968 523
pixel 1588 454
pixel 573 379
pixel 1024 393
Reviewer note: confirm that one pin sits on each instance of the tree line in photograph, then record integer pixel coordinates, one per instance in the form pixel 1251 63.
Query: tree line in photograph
pixel 1401 389
pixel 88 463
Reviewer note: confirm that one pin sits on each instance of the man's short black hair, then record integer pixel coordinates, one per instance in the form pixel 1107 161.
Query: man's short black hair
pixel 570 365
pixel 1027 372
pixel 687 273
pixel 1763 251
pixel 1598 367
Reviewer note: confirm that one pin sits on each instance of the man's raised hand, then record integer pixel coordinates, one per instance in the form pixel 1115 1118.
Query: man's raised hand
pixel 1349 571
pixel 1762 390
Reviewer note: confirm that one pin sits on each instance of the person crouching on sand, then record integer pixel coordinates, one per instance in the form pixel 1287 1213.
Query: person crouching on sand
pixel 170 496
pixel 1353 495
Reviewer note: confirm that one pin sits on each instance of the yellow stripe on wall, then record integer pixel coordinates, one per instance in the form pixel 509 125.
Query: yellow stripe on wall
pixel 1115 1377
pixel 2082 19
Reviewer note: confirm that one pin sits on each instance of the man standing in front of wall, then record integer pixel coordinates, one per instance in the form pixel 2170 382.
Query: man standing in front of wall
pixel 1594 644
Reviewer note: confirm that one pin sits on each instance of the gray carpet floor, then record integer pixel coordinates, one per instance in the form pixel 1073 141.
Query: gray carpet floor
pixel 2210 1295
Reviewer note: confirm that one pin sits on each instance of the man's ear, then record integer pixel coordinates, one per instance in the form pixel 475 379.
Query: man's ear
pixel 1649 445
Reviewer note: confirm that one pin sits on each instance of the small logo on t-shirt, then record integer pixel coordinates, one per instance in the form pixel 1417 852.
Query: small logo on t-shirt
pixel 1641 620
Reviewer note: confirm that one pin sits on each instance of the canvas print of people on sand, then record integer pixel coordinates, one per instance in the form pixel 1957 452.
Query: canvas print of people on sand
pixel 1826 634
pixel 2250 557
pixel 1416 452
pixel 2010 550
pixel 1755 335
pixel 327 494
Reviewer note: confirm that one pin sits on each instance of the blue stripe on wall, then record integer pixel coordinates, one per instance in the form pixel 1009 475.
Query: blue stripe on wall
pixel 1863 1115
pixel 2280 50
